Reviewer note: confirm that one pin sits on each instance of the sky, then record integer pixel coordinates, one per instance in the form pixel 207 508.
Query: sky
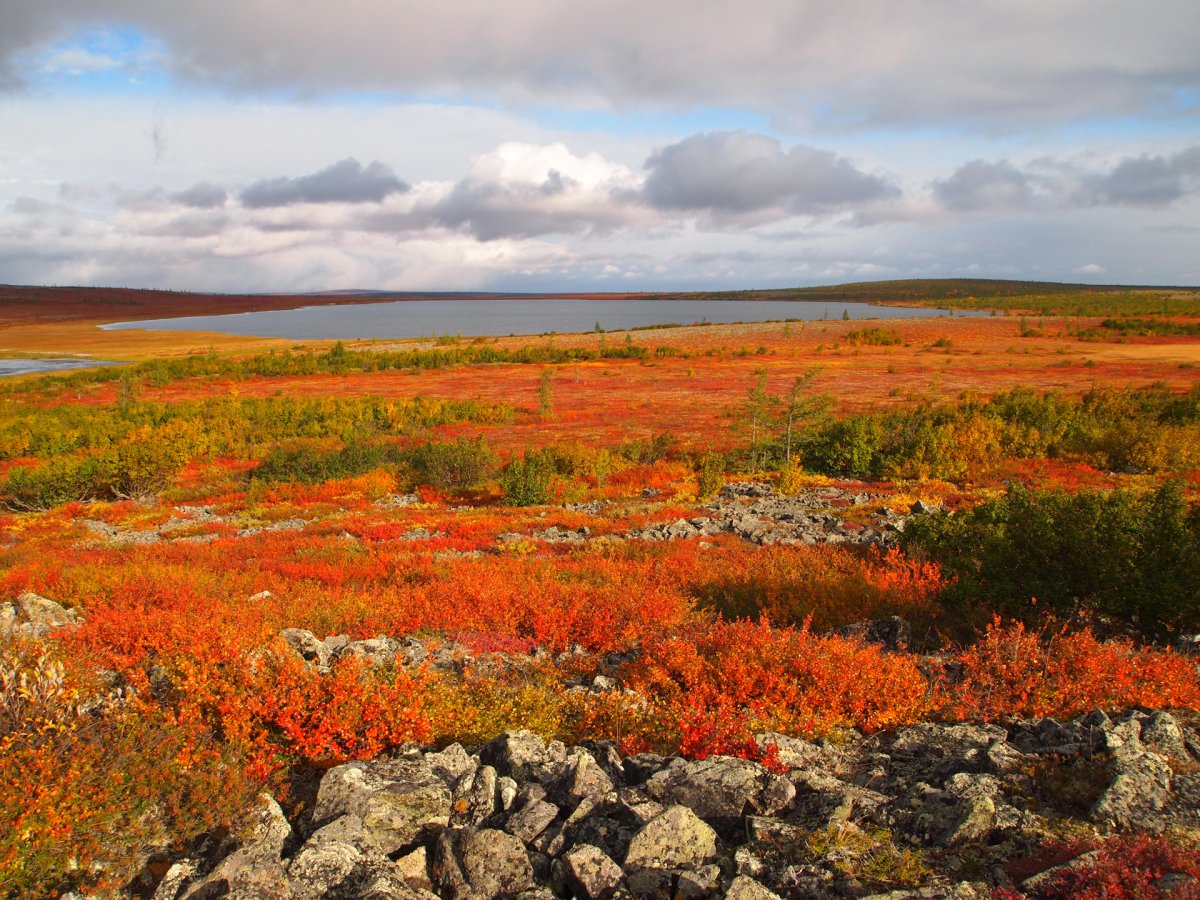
pixel 596 145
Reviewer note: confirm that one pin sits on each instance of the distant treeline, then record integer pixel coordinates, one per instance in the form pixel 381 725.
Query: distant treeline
pixel 336 361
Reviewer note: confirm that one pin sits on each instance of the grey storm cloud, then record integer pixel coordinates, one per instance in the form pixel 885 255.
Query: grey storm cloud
pixel 1145 181
pixel 343 182
pixel 980 184
pixel 1151 180
pixel 736 172
pixel 834 61
pixel 202 196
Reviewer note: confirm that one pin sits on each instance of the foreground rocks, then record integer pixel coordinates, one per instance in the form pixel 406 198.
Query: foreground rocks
pixel 757 513
pixel 927 811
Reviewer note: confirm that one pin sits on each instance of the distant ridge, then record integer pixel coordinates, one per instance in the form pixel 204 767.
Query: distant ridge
pixel 29 304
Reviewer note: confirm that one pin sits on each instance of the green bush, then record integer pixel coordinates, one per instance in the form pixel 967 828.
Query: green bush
pixel 459 464
pixel 710 475
pixel 311 465
pixel 1119 555
pixel 527 478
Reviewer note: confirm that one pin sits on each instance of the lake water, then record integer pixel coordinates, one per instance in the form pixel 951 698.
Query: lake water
pixel 28 366
pixel 471 318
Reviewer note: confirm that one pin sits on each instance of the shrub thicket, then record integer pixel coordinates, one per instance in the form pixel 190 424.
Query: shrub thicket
pixel 1135 558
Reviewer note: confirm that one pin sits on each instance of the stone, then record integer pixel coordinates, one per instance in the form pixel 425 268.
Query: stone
pixel 34 615
pixel 718 789
pixel 506 792
pixel 452 763
pixel 413 869
pixel 531 820
pixel 676 839
pixel 590 872
pixel 322 869
pixel 697 884
pixel 178 875
pixel 1140 787
pixel 396 800
pixel 481 864
pixel 256 868
pixel 583 779
pixel 1161 734
pixel 893 634
pixel 475 797
pixel 376 651
pixel 305 644
pixel 746 888
pixel 517 754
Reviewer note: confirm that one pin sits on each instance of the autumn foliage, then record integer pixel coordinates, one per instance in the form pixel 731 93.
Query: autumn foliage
pixel 193 508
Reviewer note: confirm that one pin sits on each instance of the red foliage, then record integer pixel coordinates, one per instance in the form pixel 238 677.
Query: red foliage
pixel 1012 671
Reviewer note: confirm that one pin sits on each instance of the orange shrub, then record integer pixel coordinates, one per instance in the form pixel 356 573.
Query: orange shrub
pixel 1012 671
pixel 714 684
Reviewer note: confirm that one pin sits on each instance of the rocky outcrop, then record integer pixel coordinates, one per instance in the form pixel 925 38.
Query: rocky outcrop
pixel 34 616
pixel 757 513
pixel 891 815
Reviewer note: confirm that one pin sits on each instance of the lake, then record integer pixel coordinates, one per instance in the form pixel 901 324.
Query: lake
pixel 472 318
pixel 28 366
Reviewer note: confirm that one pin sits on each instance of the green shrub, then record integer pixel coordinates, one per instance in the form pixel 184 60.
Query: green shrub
pixel 527 478
pixel 710 476
pixel 459 464
pixel 311 465
pixel 1129 557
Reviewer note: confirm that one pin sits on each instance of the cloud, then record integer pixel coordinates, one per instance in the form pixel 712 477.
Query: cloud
pixel 79 61
pixel 521 190
pixel 203 195
pixel 343 182
pixel 736 173
pixel 826 61
pixel 1143 180
pixel 984 185
pixel 1150 180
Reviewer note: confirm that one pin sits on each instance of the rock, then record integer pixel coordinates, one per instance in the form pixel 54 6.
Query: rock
pixel 35 615
pixel 1140 787
pixel 475 797
pixel 256 869
pixel 451 764
pixel 377 651
pixel 8 619
pixel 746 888
pixel 481 864
pixel 676 839
pixel 823 800
pixel 413 869
pixel 797 753
pixel 893 634
pixel 305 644
pixel 697 884
pixel 531 820
pixel 921 508
pixel 517 754
pixel 582 779
pixel 506 792
pixel 590 873
pixel 719 789
pixel 1161 734
pixel 329 869
pixel 395 800
pixel 178 875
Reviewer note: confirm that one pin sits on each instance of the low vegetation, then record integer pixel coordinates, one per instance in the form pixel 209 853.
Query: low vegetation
pixel 510 505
